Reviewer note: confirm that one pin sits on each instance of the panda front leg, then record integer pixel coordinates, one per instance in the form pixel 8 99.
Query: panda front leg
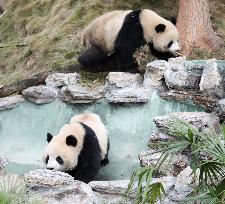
pixel 105 161
pixel 125 61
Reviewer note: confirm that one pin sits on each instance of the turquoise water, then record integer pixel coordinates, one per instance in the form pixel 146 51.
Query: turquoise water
pixel 23 131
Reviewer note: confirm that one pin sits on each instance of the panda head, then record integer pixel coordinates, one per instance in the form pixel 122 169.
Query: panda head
pixel 165 39
pixel 63 150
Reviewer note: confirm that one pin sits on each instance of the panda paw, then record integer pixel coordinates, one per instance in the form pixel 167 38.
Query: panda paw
pixel 104 162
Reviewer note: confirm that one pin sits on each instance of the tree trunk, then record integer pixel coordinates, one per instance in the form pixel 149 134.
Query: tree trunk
pixel 195 28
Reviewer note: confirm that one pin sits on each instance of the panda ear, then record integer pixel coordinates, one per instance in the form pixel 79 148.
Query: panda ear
pixel 160 28
pixel 49 137
pixel 71 140
pixel 173 19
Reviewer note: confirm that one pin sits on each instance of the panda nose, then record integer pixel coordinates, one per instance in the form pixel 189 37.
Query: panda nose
pixel 50 168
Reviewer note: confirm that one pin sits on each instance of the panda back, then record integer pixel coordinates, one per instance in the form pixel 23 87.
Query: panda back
pixel 95 123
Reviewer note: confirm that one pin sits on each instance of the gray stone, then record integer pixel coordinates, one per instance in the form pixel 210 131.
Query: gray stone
pixel 171 167
pixel 124 87
pixel 79 94
pixel 61 79
pixel 182 186
pixel 10 102
pixel 154 74
pixel 200 120
pixel 157 136
pixel 128 95
pixel 181 75
pixel 40 94
pixel 122 80
pixel 54 187
pixel 211 80
pixel 3 163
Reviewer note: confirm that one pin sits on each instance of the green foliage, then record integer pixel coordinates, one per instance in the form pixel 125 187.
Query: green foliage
pixel 14 191
pixel 207 159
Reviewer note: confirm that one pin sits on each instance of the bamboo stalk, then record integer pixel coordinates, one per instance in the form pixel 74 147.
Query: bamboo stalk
pixel 13 45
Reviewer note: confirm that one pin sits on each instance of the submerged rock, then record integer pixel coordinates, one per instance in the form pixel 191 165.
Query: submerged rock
pixel 211 80
pixel 10 102
pixel 201 120
pixel 79 94
pixel 61 79
pixel 54 187
pixel 182 75
pixel 125 88
pixel 40 94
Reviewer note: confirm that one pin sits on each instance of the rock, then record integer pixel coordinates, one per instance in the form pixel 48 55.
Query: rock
pixel 112 191
pixel 172 165
pixel 155 73
pixel 55 187
pixel 40 94
pixel 10 102
pixel 220 109
pixel 181 75
pixel 182 186
pixel 122 80
pixel 201 120
pixel 44 177
pixel 160 137
pixel 128 95
pixel 79 94
pixel 3 163
pixel 124 87
pixel 204 100
pixel 61 79
pixel 211 80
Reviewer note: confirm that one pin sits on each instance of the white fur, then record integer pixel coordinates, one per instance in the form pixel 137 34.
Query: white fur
pixel 58 147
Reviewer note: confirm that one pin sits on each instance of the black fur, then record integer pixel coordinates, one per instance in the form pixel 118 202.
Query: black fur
pixel 160 55
pixel 105 161
pixel 71 141
pixel 89 160
pixel 160 28
pixel 130 38
pixel 49 137
pixel 92 58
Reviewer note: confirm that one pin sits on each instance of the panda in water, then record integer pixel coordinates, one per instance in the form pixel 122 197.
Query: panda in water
pixel 114 37
pixel 80 148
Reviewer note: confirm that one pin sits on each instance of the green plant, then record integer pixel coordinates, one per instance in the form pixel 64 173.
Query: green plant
pixel 14 191
pixel 206 153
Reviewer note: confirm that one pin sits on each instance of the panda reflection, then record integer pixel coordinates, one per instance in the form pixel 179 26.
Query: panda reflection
pixel 113 38
pixel 80 148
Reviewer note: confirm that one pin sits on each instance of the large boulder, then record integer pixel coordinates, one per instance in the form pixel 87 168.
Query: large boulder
pixel 125 88
pixel 200 120
pixel 55 187
pixel 40 94
pixel 212 81
pixel 61 79
pixel 181 74
pixel 79 94
pixel 10 102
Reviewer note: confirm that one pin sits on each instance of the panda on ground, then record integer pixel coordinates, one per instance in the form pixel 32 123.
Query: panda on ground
pixel 80 148
pixel 115 36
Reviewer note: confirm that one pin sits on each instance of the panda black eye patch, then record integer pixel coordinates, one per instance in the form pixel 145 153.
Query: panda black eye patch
pixel 59 160
pixel 71 141
pixel 46 160
pixel 170 44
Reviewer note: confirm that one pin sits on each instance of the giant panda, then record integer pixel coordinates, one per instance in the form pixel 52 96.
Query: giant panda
pixel 115 36
pixel 80 148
